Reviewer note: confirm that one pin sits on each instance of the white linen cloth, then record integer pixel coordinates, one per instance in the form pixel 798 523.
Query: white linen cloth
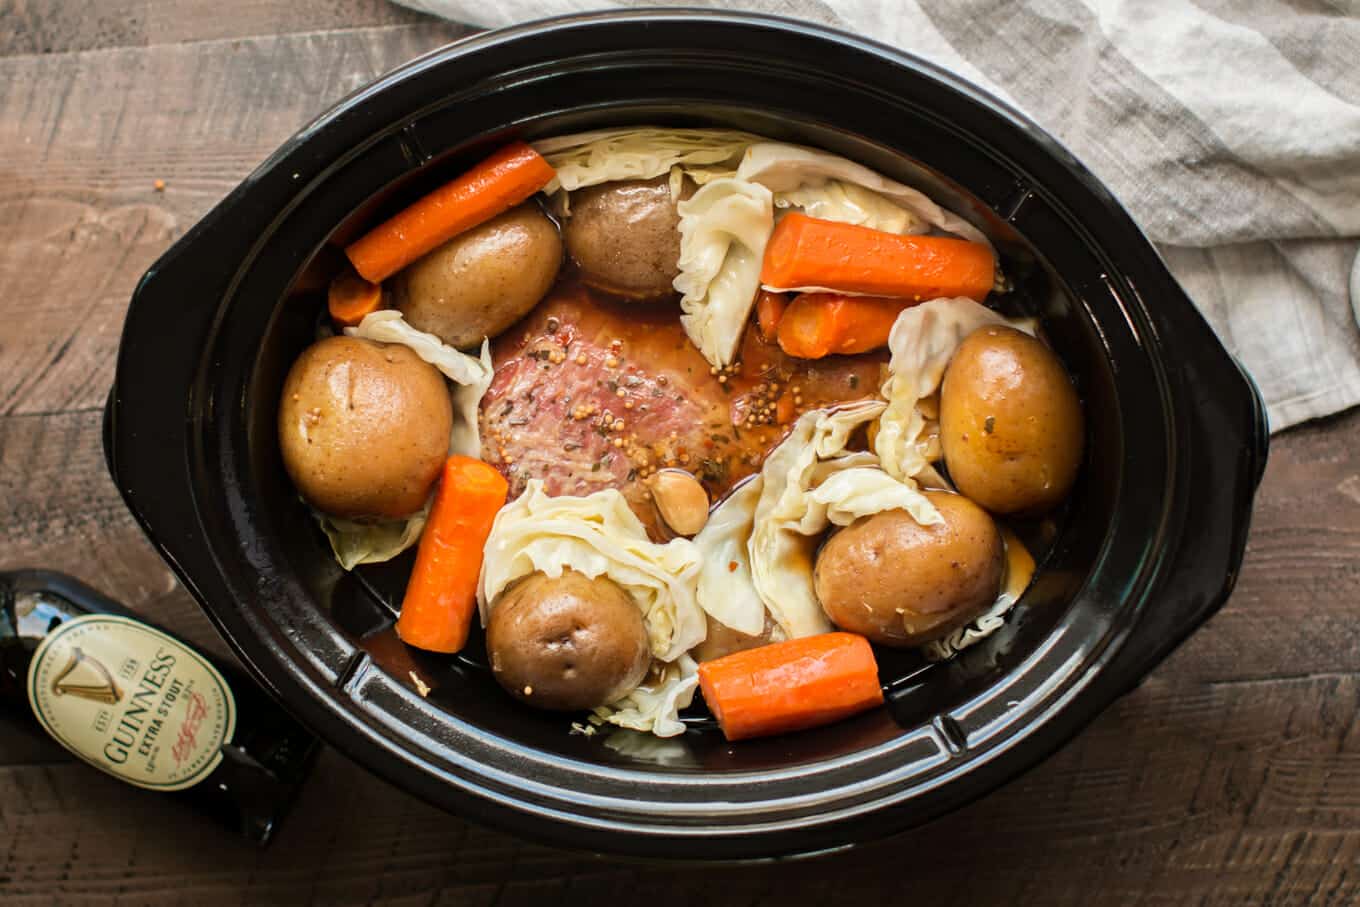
pixel 1231 132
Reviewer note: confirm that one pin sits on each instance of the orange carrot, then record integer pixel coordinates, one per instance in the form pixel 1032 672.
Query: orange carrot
pixel 351 298
pixel 788 686
pixel 441 595
pixel 820 324
pixel 847 258
pixel 769 309
pixel 784 409
pixel 497 184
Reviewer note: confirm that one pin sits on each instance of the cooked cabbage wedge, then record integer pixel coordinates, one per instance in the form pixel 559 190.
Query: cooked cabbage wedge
pixel 784 168
pixel 471 374
pixel 723 231
pixel 726 591
pixel 1019 573
pixel 599 535
pixel 640 153
pixel 356 543
pixel 655 704
pixel 850 203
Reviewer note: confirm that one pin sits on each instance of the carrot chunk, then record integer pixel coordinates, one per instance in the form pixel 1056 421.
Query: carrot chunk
pixel 825 324
pixel 847 258
pixel 497 184
pixel 441 595
pixel 350 298
pixel 789 686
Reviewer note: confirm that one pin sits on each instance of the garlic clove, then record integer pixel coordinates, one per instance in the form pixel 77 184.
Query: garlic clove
pixel 680 499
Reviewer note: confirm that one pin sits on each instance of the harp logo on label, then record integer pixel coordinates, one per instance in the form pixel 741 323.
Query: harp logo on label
pixel 131 701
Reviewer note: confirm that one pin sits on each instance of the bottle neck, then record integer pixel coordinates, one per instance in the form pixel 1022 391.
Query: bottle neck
pixel 13 658
pixel 33 603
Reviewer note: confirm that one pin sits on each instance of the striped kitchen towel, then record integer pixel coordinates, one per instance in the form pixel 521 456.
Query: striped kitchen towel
pixel 1230 130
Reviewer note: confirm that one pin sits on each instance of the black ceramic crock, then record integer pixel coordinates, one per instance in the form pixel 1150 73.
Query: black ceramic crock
pixel 1150 549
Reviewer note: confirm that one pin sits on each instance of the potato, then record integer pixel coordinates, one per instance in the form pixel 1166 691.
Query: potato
pixel 625 237
pixel 1010 423
pixel 482 281
pixel 567 644
pixel 903 584
pixel 364 427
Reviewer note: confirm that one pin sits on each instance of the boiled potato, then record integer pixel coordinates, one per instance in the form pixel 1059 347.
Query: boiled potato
pixel 569 643
pixel 364 427
pixel 482 281
pixel 903 584
pixel 1010 423
pixel 625 236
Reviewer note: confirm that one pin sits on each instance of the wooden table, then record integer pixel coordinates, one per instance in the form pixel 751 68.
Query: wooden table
pixel 1232 776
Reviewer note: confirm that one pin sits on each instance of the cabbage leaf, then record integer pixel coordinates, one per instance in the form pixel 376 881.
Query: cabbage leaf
pixel 725 592
pixel 861 491
pixel 851 203
pixel 988 622
pixel 471 374
pixel 599 535
pixel 355 542
pixel 785 168
pixel 723 231
pixel 786 522
pixel 642 153
pixel 655 704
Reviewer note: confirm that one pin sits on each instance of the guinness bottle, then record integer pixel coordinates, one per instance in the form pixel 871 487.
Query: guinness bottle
pixel 137 703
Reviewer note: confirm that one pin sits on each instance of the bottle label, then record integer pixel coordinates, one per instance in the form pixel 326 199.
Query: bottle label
pixel 132 701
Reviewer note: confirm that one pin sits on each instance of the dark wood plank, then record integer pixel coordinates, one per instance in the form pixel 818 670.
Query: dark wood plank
pixel 1233 794
pixel 56 26
pixel 85 139
pixel 1292 611
pixel 21 743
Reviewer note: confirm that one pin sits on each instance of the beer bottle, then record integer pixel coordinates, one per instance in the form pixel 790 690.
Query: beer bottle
pixel 133 701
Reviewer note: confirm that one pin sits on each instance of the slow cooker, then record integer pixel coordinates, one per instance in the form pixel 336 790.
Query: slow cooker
pixel 1149 550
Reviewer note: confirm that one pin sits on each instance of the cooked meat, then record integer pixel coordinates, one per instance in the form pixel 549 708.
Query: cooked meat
pixel 591 394
pixel 559 413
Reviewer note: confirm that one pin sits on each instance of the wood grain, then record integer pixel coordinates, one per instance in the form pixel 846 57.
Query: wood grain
pixel 60 510
pixel 1232 794
pixel 87 135
pixel 44 27
pixel 1230 777
pixel 1292 612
